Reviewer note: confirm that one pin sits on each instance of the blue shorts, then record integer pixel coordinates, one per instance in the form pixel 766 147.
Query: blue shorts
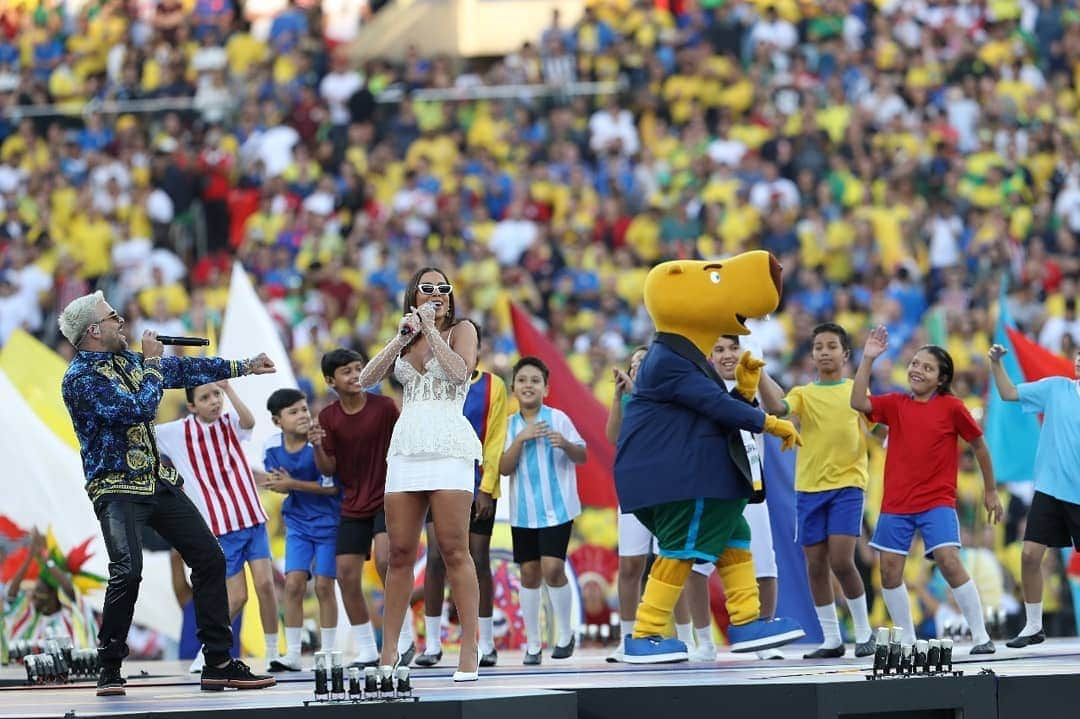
pixel 834 511
pixel 939 527
pixel 243 546
pixel 302 553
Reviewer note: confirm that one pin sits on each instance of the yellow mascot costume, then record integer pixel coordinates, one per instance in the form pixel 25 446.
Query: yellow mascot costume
pixel 681 466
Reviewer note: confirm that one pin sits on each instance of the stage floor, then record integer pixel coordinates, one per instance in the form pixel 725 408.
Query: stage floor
pixel 1039 681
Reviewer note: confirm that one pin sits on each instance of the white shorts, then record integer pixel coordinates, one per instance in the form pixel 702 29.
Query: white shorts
pixel 634 539
pixel 761 544
pixel 426 473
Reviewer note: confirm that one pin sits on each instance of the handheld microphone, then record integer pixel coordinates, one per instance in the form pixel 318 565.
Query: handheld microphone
pixel 183 341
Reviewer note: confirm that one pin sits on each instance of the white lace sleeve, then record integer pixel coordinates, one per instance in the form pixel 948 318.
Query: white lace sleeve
pixel 451 362
pixel 383 363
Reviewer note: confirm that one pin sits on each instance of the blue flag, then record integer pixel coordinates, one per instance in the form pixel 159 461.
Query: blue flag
pixel 1012 435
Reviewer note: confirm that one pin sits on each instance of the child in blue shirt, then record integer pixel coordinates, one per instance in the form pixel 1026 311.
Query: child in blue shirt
pixel 311 513
pixel 1054 517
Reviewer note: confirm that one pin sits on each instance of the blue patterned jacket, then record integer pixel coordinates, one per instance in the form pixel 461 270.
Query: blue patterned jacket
pixel 113 400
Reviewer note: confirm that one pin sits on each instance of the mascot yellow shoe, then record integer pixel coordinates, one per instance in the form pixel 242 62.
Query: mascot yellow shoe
pixel 681 466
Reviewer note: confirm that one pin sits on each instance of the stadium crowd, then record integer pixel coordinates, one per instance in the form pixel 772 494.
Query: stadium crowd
pixel 900 157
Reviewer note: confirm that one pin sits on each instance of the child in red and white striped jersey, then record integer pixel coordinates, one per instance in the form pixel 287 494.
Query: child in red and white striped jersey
pixel 205 449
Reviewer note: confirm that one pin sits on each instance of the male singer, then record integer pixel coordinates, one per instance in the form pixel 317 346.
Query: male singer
pixel 112 395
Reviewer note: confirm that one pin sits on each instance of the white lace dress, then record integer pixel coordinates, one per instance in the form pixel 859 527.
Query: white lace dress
pixel 433 446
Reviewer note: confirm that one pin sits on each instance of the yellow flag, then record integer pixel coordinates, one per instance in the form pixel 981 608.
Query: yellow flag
pixel 36 371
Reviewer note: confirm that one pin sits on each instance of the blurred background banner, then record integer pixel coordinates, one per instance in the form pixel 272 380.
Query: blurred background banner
pixel 246 331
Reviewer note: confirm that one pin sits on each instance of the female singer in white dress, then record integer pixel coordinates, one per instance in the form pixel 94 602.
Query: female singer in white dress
pixel 431 456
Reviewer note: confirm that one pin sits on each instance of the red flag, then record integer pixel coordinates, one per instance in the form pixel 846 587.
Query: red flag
pixel 596 484
pixel 1037 362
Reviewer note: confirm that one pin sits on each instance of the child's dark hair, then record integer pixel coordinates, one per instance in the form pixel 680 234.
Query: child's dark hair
pixel 530 361
pixel 946 371
pixel 733 338
pixel 283 398
pixel 189 392
pixel 340 357
pixel 833 328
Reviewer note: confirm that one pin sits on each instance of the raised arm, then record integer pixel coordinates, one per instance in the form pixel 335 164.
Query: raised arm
pixel 772 396
pixel 876 344
pixel 243 414
pixel 382 364
pixel 457 361
pixel 1005 386
pixel 623 386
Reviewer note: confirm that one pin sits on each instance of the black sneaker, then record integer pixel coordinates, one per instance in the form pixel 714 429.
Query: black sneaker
pixel 986 647
pixel 110 683
pixel 490 659
pixel 826 653
pixel 407 656
pixel 1021 641
pixel 565 651
pixel 867 648
pixel 428 660
pixel 235 675
pixel 531 660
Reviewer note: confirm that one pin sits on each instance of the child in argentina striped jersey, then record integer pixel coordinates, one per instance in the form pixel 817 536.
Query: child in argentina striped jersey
pixel 542 449
pixel 204 447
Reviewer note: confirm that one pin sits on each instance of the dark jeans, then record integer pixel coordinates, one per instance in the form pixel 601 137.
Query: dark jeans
pixel 174 517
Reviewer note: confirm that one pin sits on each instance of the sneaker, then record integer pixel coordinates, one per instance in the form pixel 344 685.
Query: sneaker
pixel 197 665
pixel 110 683
pixel 616 656
pixel 287 663
pixel 428 660
pixel 986 647
pixel 565 651
pixel 235 675
pixel 703 653
pixel 360 662
pixel 654 650
pixel 867 648
pixel 764 634
pixel 406 656
pixel 490 659
pixel 768 654
pixel 1021 641
pixel 532 660
pixel 826 653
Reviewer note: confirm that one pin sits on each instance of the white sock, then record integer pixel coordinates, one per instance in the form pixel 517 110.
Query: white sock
pixel 293 643
pixel 271 646
pixel 626 626
pixel 529 600
pixel 967 596
pixel 327 639
pixel 685 634
pixel 364 636
pixel 405 638
pixel 487 635
pixel 432 634
pixel 860 617
pixel 830 626
pixel 899 606
pixel 1033 610
pixel 704 636
pixel 562 601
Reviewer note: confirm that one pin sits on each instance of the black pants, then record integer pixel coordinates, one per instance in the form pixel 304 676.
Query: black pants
pixel 174 517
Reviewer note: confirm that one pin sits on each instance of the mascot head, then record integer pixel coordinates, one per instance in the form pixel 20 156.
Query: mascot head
pixel 702 300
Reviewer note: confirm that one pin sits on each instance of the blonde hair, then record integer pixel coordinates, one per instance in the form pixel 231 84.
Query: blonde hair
pixel 78 316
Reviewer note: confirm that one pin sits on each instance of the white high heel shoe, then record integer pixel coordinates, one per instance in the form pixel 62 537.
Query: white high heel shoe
pixel 469 676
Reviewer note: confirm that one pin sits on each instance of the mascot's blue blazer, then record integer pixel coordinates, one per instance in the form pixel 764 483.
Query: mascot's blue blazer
pixel 680 432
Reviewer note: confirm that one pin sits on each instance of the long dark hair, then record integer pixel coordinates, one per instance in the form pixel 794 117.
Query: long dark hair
pixel 945 367
pixel 413 288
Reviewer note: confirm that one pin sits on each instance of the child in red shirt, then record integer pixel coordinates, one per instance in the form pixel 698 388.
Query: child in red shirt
pixel 920 479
